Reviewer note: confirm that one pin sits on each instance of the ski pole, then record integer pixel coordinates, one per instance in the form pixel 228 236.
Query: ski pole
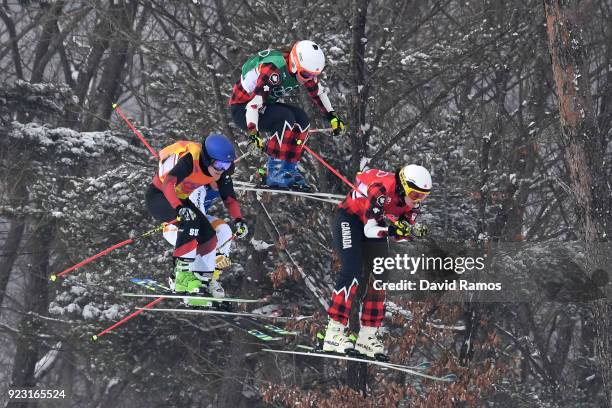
pixel 126 120
pixel 323 130
pixel 243 156
pixel 227 241
pixel 125 319
pixel 109 249
pixel 336 172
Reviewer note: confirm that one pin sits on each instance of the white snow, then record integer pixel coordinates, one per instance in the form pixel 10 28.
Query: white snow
pixel 112 313
pixel 78 290
pixel 113 381
pixel 336 51
pixel 260 245
pixel 73 308
pixel 269 310
pixel 363 163
pixel 45 363
pixel 90 312
pixel 55 309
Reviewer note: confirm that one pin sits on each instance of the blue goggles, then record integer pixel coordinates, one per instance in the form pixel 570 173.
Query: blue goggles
pixel 221 165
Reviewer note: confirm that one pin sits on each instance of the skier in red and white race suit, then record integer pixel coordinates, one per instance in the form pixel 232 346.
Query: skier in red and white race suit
pixel 256 105
pixel 360 233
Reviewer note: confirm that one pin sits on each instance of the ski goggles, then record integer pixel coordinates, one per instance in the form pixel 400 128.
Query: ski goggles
pixel 220 165
pixel 417 195
pixel 305 76
pixel 411 191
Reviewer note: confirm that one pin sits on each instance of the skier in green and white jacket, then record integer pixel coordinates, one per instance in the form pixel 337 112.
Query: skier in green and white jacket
pixel 266 78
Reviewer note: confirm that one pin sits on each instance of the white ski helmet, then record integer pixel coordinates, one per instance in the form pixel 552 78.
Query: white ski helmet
pixel 415 182
pixel 306 60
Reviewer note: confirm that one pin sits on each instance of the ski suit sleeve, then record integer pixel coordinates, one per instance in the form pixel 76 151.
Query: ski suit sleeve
pixel 377 196
pixel 228 195
pixel 268 77
pixel 318 94
pixel 179 172
pixel 411 215
pixel 375 226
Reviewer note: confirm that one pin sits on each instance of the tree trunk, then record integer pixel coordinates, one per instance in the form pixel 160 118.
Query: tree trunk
pixel 584 155
pixel 101 34
pixel 10 26
pixel 358 95
pixel 44 50
pixel 11 249
pixel 108 90
pixel 19 195
pixel 239 369
pixel 29 344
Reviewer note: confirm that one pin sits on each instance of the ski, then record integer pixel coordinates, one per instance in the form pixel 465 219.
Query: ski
pixel 239 185
pixel 229 313
pixel 246 323
pixel 150 284
pixel 188 296
pixel 291 192
pixel 280 330
pixel 425 365
pixel 398 367
pixel 436 324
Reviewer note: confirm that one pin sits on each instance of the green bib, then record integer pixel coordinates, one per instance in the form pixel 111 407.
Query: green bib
pixel 286 83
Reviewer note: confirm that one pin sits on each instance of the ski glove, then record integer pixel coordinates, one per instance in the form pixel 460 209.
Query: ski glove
pixel 337 124
pixel 185 213
pixel 400 229
pixel 419 230
pixel 222 262
pixel 241 228
pixel 255 140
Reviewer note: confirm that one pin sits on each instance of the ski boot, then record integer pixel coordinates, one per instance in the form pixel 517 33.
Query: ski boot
pixel 214 286
pixel 277 176
pixel 299 183
pixel 369 344
pixel 336 339
pixel 186 281
pixel 215 289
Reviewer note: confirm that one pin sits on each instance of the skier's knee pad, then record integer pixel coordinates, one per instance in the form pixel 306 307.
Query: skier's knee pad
pixel 224 233
pixel 205 264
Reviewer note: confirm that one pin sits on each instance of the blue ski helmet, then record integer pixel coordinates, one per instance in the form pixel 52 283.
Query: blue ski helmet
pixel 218 147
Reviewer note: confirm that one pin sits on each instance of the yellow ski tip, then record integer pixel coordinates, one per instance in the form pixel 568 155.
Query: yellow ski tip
pixel 115 106
pixel 94 338
pixel 53 278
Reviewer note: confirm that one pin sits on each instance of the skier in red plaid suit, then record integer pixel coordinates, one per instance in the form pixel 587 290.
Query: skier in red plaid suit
pixel 360 233
pixel 267 77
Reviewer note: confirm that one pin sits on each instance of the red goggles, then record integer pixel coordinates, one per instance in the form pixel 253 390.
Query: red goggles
pixel 221 165
pixel 306 74
pixel 417 196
